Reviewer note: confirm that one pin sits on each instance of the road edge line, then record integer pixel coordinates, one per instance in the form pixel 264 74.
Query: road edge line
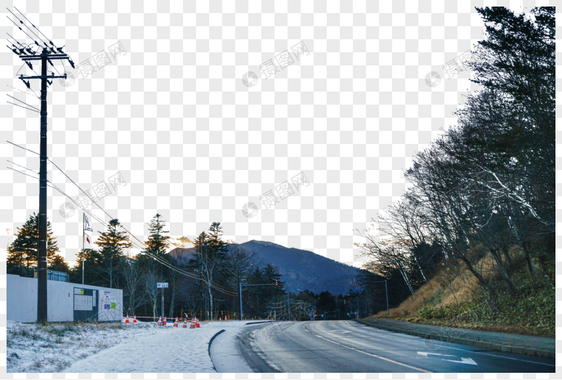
pixel 476 343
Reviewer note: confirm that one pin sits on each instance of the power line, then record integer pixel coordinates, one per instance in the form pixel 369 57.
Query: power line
pixel 28 105
pixel 26 92
pixel 17 105
pixel 52 185
pixel 142 244
pixel 21 22
pixel 17 26
pixel 13 163
pixel 66 177
pixel 35 27
pixel 19 146
pixel 22 173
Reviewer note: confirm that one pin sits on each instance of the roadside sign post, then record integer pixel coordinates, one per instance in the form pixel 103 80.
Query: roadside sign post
pixel 162 285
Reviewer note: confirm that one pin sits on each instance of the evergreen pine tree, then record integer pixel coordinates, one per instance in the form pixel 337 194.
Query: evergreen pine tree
pixel 22 253
pixel 111 244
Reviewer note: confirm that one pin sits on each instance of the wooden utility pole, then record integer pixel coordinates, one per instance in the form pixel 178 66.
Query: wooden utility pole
pixel 48 54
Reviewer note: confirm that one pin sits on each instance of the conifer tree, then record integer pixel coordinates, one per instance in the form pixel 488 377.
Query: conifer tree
pixel 22 253
pixel 111 244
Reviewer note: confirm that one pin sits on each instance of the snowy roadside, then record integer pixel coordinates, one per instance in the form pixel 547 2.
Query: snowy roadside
pixel 111 347
pixel 53 347
pixel 171 350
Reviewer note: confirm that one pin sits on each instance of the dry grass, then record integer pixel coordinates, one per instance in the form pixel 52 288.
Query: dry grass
pixel 437 293
pixel 450 286
pixel 454 287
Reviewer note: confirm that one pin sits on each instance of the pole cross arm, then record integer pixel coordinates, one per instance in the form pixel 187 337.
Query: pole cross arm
pixel 37 57
pixel 43 77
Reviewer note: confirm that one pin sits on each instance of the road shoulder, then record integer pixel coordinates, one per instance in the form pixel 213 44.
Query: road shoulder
pixel 230 352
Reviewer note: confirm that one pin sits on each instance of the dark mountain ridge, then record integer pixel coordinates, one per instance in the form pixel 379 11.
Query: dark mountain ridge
pixel 301 269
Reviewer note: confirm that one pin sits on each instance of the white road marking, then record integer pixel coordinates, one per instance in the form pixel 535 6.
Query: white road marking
pixel 472 352
pixel 462 361
pixel 367 353
pixel 499 356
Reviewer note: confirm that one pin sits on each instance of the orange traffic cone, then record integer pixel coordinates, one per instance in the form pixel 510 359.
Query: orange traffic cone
pixel 197 323
pixel 192 325
pixel 165 321
pixel 184 323
pixel 135 319
pixel 176 323
pixel 127 319
pixel 159 321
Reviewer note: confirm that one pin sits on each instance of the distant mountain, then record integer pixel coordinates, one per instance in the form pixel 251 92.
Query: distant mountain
pixel 301 270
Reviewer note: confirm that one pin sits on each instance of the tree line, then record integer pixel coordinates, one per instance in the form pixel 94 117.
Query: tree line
pixel 204 283
pixel 207 278
pixel 485 187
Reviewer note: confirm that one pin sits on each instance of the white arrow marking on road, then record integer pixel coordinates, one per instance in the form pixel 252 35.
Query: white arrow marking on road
pixel 462 361
pixel 366 353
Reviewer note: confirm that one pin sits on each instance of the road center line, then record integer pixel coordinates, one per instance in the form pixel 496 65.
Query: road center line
pixel 367 353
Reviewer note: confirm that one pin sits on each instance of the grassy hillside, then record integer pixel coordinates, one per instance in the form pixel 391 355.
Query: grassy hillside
pixel 454 298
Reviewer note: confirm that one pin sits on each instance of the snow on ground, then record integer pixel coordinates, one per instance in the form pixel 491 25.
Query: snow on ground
pixel 111 347
pixel 55 346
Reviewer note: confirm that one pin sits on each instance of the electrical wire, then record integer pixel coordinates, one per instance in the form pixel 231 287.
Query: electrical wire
pixel 31 30
pixel 48 39
pixel 37 178
pixel 21 101
pixel 17 105
pixel 17 26
pixel 142 244
pixel 26 92
pixel 13 163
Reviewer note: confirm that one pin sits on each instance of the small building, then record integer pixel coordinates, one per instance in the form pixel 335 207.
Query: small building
pixel 66 301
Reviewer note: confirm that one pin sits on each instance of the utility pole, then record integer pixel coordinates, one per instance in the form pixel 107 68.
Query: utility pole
pixel 47 55
pixel 386 289
pixel 240 293
pixel 83 244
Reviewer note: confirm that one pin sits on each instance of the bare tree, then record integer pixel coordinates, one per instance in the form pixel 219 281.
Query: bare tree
pixel 134 281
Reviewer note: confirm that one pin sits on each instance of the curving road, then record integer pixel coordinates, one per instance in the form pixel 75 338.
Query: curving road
pixel 348 346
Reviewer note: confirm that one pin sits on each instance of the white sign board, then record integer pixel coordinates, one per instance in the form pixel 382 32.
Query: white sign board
pixel 161 285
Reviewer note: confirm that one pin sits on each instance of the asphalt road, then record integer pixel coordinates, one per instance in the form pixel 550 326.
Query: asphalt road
pixel 348 346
